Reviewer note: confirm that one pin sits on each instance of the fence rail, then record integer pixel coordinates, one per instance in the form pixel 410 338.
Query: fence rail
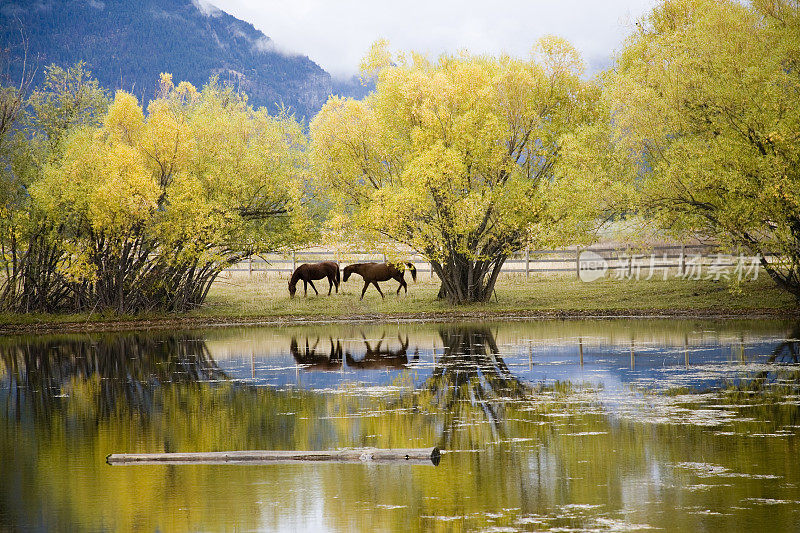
pixel 622 261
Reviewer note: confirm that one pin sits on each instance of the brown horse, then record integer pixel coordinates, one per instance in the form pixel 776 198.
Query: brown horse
pixel 375 272
pixel 310 271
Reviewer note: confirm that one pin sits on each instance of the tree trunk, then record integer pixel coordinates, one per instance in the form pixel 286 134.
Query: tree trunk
pixel 786 272
pixel 467 281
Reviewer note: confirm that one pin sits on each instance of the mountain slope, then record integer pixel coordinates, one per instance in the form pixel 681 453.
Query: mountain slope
pixel 127 45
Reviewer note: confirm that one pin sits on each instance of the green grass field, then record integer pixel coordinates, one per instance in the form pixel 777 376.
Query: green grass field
pixel 245 297
pixel 262 296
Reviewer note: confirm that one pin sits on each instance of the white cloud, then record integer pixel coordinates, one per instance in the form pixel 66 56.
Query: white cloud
pixel 265 44
pixel 206 7
pixel 337 34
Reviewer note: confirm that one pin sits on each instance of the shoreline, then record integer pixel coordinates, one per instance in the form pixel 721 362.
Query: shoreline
pixel 208 322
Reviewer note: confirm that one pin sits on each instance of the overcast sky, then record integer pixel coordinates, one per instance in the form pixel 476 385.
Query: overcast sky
pixel 337 34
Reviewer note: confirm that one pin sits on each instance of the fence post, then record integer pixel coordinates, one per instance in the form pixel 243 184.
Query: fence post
pixel 578 262
pixel 294 260
pixel 527 261
pixel 250 265
pixel 630 262
pixel 682 262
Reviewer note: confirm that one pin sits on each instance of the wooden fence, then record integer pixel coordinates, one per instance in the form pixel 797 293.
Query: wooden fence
pixel 688 261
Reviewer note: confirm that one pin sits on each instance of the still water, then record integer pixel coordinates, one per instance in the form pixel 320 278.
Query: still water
pixel 601 425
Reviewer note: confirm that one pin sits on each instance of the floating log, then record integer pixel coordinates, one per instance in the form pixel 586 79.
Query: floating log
pixel 347 455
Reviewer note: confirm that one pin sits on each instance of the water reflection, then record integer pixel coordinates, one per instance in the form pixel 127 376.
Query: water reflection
pixel 470 372
pixel 314 357
pixel 381 356
pixel 788 351
pixel 125 367
pixel 547 425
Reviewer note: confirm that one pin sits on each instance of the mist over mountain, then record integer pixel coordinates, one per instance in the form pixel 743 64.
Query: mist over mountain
pixel 127 45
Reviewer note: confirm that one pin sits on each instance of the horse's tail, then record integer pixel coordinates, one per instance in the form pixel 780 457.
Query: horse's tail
pixel 413 270
pixel 338 275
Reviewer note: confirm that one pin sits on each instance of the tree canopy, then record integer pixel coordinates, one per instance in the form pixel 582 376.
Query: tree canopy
pixel 132 210
pixel 706 98
pixel 455 158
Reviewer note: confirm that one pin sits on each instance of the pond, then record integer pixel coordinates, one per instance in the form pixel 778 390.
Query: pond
pixel 545 425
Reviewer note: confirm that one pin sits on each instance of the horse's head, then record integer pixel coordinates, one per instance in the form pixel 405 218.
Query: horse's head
pixel 292 289
pixel 347 271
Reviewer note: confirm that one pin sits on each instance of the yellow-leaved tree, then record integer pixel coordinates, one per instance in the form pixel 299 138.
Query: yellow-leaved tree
pixel 31 248
pixel 151 206
pixel 705 97
pixel 455 158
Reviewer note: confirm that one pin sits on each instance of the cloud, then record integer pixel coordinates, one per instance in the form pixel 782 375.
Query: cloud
pixel 262 44
pixel 207 8
pixel 265 44
pixel 337 34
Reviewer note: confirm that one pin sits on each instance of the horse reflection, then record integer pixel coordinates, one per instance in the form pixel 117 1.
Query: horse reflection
pixel 381 357
pixel 314 359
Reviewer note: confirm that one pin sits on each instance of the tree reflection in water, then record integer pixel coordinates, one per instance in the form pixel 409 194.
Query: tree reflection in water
pixel 469 379
pixel 124 368
pixel 470 372
pixel 789 350
pixel 548 459
pixel 772 385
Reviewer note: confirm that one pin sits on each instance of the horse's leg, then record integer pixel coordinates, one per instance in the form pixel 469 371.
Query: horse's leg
pixel 330 285
pixel 379 289
pixel 366 284
pixel 313 287
pixel 402 285
pixel 305 288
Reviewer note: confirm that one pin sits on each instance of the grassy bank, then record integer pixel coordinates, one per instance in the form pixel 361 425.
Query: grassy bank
pixel 256 296
pixel 244 298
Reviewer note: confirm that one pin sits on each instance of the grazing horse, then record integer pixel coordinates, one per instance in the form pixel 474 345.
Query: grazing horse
pixel 310 271
pixel 375 272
